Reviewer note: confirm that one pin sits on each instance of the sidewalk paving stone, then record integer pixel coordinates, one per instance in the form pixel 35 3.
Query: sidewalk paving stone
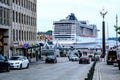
pixel 106 72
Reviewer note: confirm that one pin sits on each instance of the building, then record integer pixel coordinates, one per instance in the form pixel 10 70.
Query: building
pixel 17 26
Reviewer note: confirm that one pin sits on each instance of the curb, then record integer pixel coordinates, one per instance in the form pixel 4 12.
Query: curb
pixel 98 73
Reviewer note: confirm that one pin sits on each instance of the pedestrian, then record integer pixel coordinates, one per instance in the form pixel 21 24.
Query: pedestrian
pixel 80 54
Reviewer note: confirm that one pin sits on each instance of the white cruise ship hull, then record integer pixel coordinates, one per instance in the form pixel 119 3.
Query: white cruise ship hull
pixel 78 40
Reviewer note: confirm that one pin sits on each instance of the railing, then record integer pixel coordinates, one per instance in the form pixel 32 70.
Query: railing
pixel 91 72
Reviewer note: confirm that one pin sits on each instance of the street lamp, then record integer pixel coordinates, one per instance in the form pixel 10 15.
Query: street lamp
pixel 103 13
pixel 116 31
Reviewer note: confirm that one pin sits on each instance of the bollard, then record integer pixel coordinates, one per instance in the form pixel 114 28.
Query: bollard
pixel 91 72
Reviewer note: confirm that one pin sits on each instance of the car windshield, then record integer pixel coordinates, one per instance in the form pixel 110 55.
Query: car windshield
pixel 84 57
pixel 73 55
pixel 15 58
pixel 51 56
pixel 1 57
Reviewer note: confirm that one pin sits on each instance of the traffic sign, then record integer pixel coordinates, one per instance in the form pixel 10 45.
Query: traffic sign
pixel 26 45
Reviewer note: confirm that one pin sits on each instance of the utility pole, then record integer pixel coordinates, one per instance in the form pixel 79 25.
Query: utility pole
pixel 116 31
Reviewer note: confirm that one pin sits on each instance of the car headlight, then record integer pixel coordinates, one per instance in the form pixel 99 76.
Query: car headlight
pixel 17 63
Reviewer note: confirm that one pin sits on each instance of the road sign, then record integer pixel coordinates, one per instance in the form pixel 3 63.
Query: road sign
pixel 26 45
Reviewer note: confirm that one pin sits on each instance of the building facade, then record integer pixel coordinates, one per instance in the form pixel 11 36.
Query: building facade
pixel 17 26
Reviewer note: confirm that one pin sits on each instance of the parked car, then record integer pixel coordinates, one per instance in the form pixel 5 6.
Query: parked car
pixel 19 62
pixel 51 58
pixel 84 59
pixel 111 57
pixel 4 64
pixel 73 58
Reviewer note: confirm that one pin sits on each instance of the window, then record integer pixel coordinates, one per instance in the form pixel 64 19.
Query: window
pixel 13 17
pixel 13 34
pixel 16 17
pixel 17 35
pixel 0 15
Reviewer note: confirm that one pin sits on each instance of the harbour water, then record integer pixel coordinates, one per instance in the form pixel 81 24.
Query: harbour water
pixel 98 44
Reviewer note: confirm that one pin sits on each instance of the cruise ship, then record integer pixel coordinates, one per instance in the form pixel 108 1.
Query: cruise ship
pixel 72 31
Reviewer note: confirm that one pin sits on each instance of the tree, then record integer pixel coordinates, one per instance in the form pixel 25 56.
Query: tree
pixel 117 29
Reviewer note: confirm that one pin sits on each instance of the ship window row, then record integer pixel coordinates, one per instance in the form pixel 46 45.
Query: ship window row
pixel 64 38
pixel 26 4
pixel 6 2
pixel 64 32
pixel 4 16
pixel 19 35
pixel 63 27
pixel 63 24
pixel 23 19
pixel 63 35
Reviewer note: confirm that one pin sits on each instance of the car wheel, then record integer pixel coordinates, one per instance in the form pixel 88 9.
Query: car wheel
pixel 56 61
pixel 8 69
pixel 88 62
pixel 45 61
pixel 27 66
pixel 20 67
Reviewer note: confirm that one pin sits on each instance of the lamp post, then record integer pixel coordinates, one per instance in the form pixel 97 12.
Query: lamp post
pixel 103 13
pixel 116 32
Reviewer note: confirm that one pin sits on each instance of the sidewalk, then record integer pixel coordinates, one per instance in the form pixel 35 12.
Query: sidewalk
pixel 106 72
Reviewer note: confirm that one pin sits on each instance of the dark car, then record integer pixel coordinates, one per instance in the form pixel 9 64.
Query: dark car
pixel 111 57
pixel 4 64
pixel 51 58
pixel 84 59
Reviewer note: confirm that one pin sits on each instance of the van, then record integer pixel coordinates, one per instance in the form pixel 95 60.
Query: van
pixel 111 57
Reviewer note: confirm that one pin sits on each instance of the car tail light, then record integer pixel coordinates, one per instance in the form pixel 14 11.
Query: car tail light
pixel 80 59
pixel 87 59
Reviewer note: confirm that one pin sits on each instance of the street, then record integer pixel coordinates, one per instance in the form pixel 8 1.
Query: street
pixel 63 70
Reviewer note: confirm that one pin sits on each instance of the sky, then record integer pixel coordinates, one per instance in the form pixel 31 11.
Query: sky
pixel 54 10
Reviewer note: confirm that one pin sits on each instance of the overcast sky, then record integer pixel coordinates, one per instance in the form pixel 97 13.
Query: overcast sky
pixel 54 10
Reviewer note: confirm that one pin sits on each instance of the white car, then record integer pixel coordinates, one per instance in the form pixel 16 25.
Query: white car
pixel 19 62
pixel 73 58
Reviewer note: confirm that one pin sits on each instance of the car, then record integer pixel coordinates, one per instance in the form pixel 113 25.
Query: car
pixel 111 57
pixel 51 58
pixel 95 58
pixel 84 59
pixel 19 62
pixel 4 64
pixel 73 58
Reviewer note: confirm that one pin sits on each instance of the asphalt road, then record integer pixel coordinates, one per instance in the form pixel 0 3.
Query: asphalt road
pixel 63 70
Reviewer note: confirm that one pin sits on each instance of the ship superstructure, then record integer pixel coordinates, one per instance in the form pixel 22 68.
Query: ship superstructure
pixel 72 31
